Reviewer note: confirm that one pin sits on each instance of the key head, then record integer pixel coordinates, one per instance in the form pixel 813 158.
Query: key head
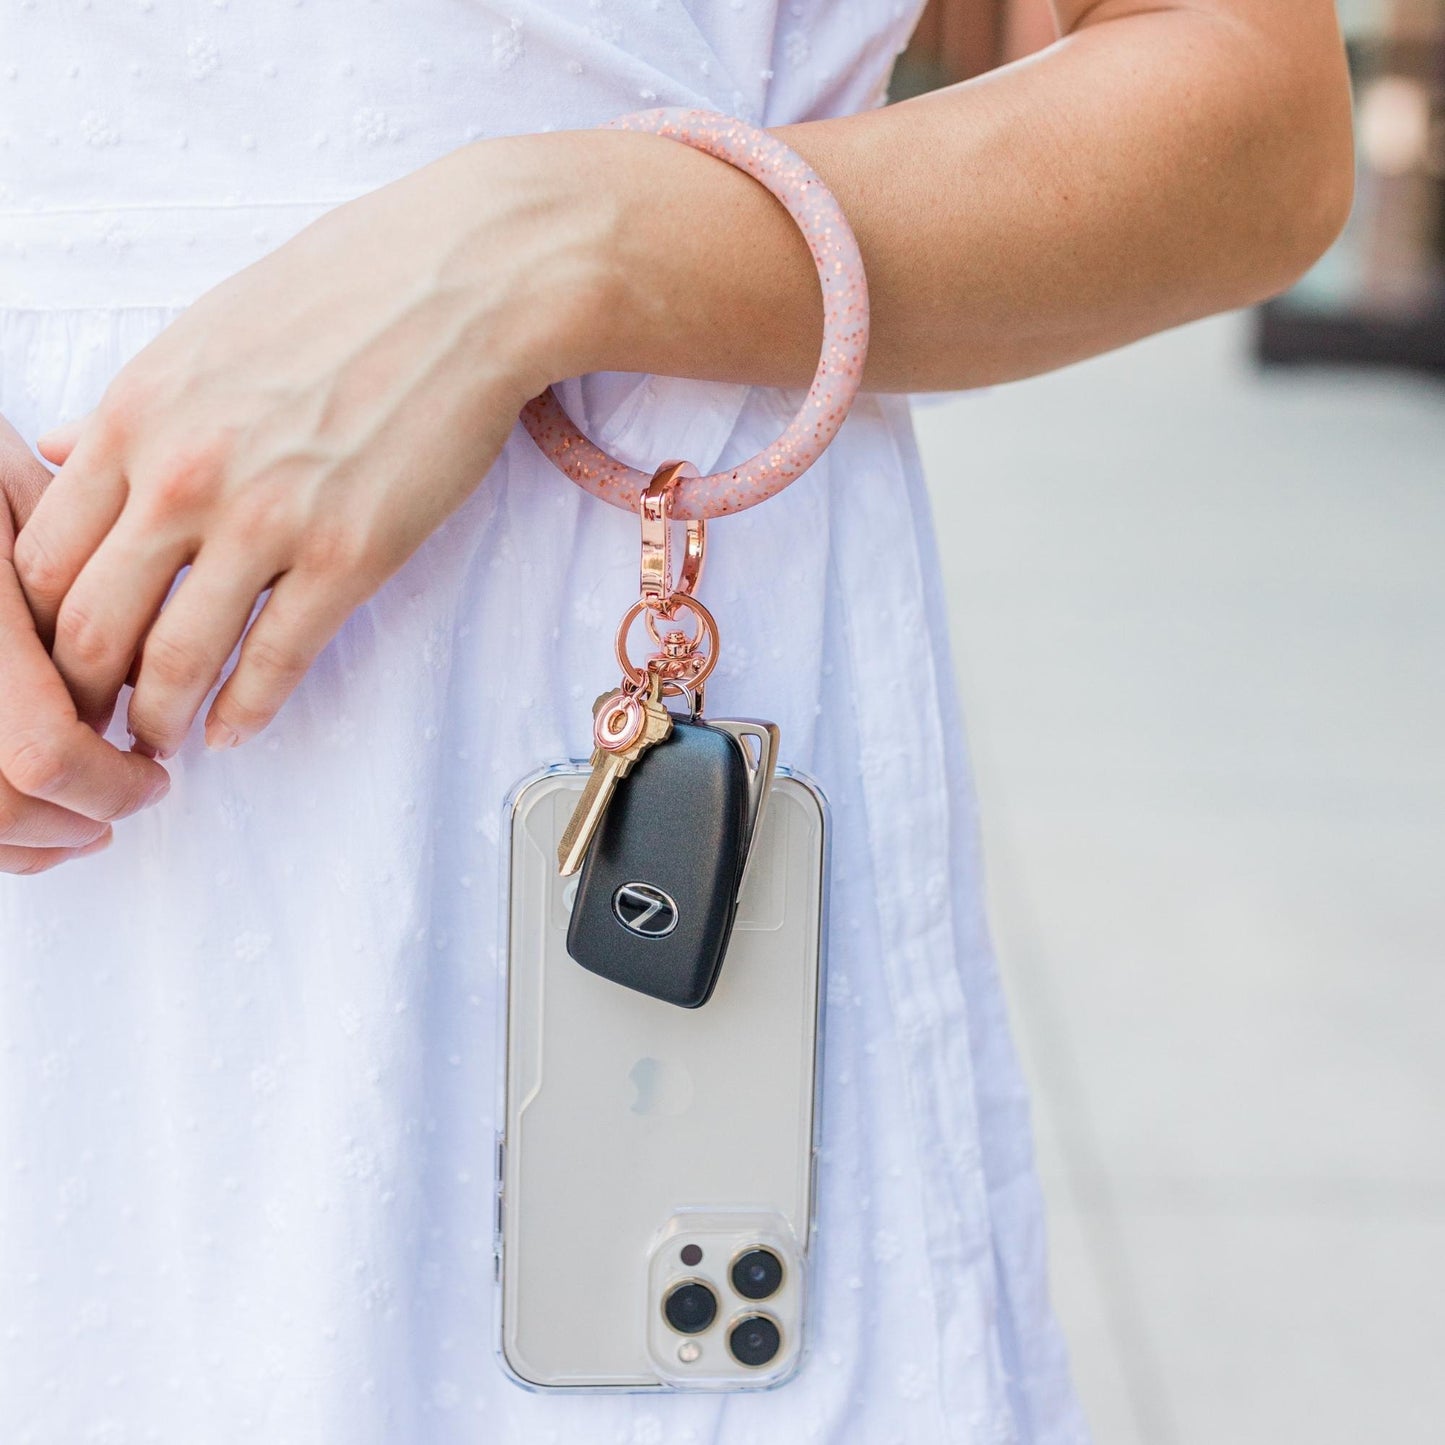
pixel 610 764
pixel 656 727
pixel 618 720
pixel 627 716
pixel 654 724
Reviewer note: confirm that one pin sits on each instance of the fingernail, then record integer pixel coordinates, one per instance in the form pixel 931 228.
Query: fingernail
pixel 96 845
pixel 218 735
pixel 162 787
pixel 144 749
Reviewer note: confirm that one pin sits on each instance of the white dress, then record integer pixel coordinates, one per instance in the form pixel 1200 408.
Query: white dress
pixel 247 1056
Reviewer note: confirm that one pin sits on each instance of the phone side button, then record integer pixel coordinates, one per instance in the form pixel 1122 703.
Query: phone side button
pixel 499 1216
pixel 497 1223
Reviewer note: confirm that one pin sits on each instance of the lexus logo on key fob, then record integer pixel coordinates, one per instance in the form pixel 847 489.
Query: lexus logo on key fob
pixel 660 878
pixel 643 909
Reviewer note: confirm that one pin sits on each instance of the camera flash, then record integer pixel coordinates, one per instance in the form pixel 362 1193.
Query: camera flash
pixel 689 1352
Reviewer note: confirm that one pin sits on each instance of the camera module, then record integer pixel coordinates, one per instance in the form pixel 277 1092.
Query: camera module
pixel 754 1340
pixel 690 1307
pixel 757 1274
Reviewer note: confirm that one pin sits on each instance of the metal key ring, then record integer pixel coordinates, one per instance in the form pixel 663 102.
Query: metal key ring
pixel 840 363
pixel 675 604
pixel 707 631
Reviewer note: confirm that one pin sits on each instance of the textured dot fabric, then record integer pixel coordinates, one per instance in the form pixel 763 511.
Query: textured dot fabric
pixel 248 1056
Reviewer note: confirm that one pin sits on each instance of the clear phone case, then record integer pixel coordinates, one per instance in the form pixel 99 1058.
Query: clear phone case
pixel 655 1179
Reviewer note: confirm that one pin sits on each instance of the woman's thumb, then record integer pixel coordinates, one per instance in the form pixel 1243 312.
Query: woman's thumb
pixel 58 443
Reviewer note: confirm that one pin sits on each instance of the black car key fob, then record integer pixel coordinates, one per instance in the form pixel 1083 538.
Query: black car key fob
pixel 659 886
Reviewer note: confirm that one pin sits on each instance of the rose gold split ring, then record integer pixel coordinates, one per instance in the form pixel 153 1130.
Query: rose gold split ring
pixel 692 665
pixel 619 724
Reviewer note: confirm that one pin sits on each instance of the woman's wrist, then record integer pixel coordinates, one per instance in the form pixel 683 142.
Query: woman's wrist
pixel 520 249
pixel 647 256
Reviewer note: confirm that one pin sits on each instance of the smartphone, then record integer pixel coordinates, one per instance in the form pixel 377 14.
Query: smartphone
pixel 656 1168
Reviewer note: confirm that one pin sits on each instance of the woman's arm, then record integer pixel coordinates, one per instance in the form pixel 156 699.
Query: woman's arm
pixel 1165 160
pixel 306 424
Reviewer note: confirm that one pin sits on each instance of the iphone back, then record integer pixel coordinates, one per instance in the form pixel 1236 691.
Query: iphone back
pixel 655 1180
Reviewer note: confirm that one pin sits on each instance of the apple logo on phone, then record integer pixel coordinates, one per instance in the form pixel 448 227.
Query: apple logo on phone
pixel 660 1089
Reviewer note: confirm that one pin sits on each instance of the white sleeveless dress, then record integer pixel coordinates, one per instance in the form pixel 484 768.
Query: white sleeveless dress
pixel 247 1057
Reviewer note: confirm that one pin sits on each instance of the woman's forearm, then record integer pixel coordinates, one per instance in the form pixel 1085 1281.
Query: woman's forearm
pixel 1155 166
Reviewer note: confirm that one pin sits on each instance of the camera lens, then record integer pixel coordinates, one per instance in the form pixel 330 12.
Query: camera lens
pixel 754 1340
pixel 757 1274
pixel 690 1308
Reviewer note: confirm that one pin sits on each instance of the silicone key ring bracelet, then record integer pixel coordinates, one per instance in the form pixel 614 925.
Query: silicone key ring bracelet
pixel 840 364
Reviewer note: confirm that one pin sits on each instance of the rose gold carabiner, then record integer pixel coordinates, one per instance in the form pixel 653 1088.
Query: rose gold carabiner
pixel 656 586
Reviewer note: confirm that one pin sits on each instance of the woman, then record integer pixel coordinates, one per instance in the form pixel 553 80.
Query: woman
pixel 248 1053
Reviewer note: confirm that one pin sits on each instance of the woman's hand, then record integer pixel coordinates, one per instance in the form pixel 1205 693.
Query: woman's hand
pixel 303 428
pixel 61 786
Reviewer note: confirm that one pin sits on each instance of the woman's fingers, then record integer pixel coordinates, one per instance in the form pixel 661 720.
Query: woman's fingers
pixel 62 761
pixel 33 823
pixel 41 860
pixel 69 522
pixel 300 617
pixel 42 745
pixel 189 643
pixel 103 618
pixel 46 752
pixel 58 443
pixel 22 483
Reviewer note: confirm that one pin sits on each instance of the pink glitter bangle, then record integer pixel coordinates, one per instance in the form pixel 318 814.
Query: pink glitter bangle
pixel 845 333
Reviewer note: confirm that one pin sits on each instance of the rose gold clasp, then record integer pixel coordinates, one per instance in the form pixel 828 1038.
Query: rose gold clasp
pixel 683 659
pixel 656 585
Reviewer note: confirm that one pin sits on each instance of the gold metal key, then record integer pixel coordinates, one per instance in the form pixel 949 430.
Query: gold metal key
pixel 625 723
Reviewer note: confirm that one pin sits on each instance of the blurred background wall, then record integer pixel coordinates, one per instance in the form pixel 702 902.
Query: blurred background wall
pixel 1197 593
